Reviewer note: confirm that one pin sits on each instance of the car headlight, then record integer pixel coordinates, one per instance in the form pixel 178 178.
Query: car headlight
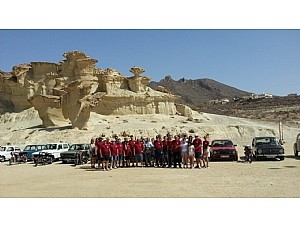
pixel 281 151
pixel 233 152
pixel 260 151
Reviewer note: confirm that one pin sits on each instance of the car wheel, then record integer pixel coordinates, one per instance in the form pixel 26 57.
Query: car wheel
pixel 296 153
pixel 50 160
pixel 281 158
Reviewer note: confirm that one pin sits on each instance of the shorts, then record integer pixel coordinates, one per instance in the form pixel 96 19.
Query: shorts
pixel 105 157
pixel 198 155
pixel 114 158
pixel 139 157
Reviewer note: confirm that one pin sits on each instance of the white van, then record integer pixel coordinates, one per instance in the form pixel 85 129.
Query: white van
pixel 5 152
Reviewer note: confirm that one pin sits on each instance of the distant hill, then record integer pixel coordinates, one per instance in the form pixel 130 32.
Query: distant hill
pixel 197 93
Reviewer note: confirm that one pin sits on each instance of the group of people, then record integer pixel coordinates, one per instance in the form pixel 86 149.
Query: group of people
pixel 170 152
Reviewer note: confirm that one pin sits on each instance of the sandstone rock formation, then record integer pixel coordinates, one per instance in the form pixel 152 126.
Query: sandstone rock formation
pixel 70 90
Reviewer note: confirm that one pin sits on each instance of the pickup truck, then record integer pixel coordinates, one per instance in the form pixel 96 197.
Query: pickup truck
pixel 267 147
pixel 53 149
pixel 297 145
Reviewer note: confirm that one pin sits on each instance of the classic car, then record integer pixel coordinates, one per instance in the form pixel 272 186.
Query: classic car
pixel 267 147
pixel 223 149
pixel 5 152
pixel 54 149
pixel 77 154
pixel 31 148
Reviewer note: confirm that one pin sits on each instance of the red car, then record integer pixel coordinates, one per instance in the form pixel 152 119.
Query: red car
pixel 223 149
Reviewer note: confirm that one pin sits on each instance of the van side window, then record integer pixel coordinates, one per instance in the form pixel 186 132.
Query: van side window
pixel 59 147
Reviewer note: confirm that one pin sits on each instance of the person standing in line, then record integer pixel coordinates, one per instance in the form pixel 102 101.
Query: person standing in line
pixel 205 151
pixel 120 153
pixel 191 151
pixel 106 154
pixel 176 149
pixel 93 154
pixel 170 150
pixel 114 154
pixel 99 143
pixel 127 152
pixel 158 146
pixel 198 151
pixel 165 152
pixel 138 152
pixel 131 144
pixel 148 152
pixel 184 153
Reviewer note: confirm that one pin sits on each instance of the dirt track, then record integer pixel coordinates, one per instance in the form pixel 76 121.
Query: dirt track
pixel 221 180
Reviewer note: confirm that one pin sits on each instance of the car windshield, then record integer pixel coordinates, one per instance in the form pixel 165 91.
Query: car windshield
pixel 51 146
pixel 222 143
pixel 267 141
pixel 30 148
pixel 77 147
pixel 2 148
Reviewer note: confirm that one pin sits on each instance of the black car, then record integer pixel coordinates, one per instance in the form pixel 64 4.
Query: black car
pixel 267 147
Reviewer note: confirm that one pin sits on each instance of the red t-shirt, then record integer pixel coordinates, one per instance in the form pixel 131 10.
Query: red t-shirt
pixel 131 144
pixel 120 148
pixel 98 146
pixel 127 150
pixel 197 144
pixel 176 146
pixel 158 145
pixel 105 149
pixel 114 149
pixel 138 147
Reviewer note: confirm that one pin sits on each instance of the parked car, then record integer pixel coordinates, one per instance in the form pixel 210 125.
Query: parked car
pixel 267 147
pixel 5 152
pixel 77 154
pixel 297 145
pixel 54 149
pixel 31 148
pixel 223 149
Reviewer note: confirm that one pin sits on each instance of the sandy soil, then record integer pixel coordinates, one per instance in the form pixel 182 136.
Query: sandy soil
pixel 263 179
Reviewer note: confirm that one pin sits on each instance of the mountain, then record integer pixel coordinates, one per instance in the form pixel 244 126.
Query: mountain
pixel 197 93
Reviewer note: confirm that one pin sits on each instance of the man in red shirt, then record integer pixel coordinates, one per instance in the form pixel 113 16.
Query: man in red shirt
pixel 114 154
pixel 198 151
pixel 99 142
pixel 127 152
pixel 131 144
pixel 138 152
pixel 158 146
pixel 170 151
pixel 176 148
pixel 120 153
pixel 105 154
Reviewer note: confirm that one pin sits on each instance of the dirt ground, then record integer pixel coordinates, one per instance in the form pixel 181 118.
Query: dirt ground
pixel 263 179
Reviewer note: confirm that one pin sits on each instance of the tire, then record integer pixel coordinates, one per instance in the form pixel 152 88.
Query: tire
pixel 296 153
pixel 50 161
pixel 281 158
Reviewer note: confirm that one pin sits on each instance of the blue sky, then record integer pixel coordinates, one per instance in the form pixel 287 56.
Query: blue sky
pixel 252 60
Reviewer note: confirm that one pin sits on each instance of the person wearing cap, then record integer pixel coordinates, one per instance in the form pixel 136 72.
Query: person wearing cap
pixel 148 152
pixel 127 152
pixel 120 153
pixel 114 154
pixel 170 151
pixel 198 151
pixel 165 156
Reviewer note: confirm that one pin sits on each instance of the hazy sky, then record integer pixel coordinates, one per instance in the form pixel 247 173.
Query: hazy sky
pixel 252 60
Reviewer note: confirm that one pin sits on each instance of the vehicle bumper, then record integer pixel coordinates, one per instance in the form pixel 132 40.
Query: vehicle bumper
pixel 270 155
pixel 223 157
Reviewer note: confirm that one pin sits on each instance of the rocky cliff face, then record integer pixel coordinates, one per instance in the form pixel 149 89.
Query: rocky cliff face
pixel 70 90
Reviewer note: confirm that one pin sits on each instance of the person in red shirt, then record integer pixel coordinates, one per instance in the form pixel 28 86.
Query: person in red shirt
pixel 176 148
pixel 99 142
pixel 170 151
pixel 127 152
pixel 114 154
pixel 158 146
pixel 198 151
pixel 205 150
pixel 131 144
pixel 165 152
pixel 105 154
pixel 138 152
pixel 120 153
